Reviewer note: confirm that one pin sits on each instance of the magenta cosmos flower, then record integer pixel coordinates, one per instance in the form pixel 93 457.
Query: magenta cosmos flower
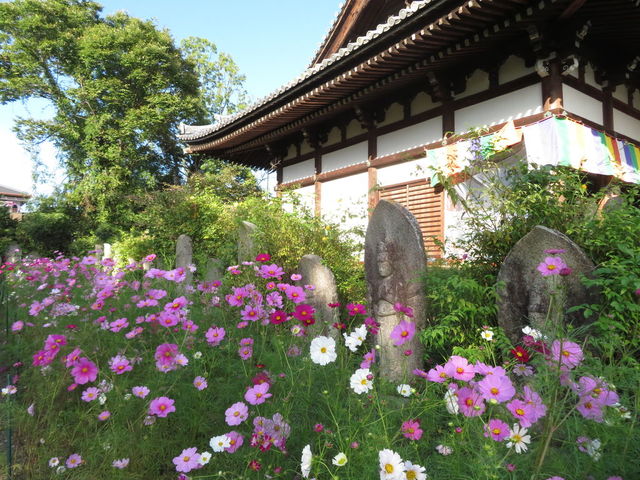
pixel 235 441
pixel 496 388
pixel 496 429
pixel 470 402
pixel 102 416
pixel 245 352
pixel 523 411
pixel 120 364
pixel 90 394
pixel 459 368
pixel 569 354
pixel 166 353
pixel 411 430
pixel 161 406
pixel 84 371
pixel 187 460
pixel 236 414
pixel 551 266
pixel 403 332
pixel 215 335
pixel 356 309
pixel 257 394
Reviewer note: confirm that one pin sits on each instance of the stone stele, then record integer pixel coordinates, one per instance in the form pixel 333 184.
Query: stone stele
pixel 321 277
pixel 246 242
pixel 184 256
pixel 215 270
pixel 394 261
pixel 525 295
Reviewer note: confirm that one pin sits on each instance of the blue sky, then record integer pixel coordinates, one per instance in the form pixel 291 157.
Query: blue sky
pixel 272 41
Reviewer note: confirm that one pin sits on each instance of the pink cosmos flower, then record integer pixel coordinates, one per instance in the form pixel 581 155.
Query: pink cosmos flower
pixel 437 374
pixel 270 271
pixel 176 305
pixel 17 326
pixel 257 394
pixel 598 390
pixel 551 266
pixel 296 276
pixel 121 463
pixel 411 430
pixel 215 335
pixel 74 461
pixel 168 319
pixel 403 332
pixel 71 359
pixel 356 309
pixel 369 359
pixel 161 406
pixel 538 408
pixel 589 408
pixel 303 312
pixel 277 317
pixel 522 411
pixel 245 352
pixel 140 392
pixel 120 364
pixel 84 371
pixel 102 416
pixel 295 294
pixel 569 354
pixel 42 358
pixel 399 307
pixel 251 313
pixel 235 441
pixel 118 325
pixel 236 414
pixel 187 460
pixel 496 388
pixel 90 394
pixel 459 368
pixel 263 257
pixel 496 429
pixel 166 353
pixel 470 402
pixel 200 383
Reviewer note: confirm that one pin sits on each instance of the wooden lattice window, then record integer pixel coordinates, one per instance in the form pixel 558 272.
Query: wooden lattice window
pixel 426 204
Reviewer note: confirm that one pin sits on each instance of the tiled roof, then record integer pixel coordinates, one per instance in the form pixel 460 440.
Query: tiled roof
pixel 194 132
pixel 12 191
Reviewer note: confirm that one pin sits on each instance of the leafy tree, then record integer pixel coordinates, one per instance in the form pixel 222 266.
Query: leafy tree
pixel 118 87
pixel 222 85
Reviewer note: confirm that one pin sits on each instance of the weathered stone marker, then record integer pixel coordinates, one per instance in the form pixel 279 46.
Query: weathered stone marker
pixel 215 270
pixel 13 253
pixel 394 260
pixel 321 277
pixel 524 299
pixel 184 256
pixel 246 242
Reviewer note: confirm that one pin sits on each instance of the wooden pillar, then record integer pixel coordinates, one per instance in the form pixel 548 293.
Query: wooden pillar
pixel 318 185
pixel 552 87
pixel 373 195
pixel 607 110
pixel 448 118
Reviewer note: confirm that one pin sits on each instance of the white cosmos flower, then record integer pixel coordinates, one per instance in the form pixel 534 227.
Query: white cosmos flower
pixel 361 381
pixel 414 472
pixel 518 438
pixel 219 443
pixel 323 350
pixel 487 335
pixel 404 390
pixel 391 465
pixel 451 402
pixel 305 461
pixel 54 462
pixel 355 338
pixel 204 458
pixel 536 334
pixel 339 460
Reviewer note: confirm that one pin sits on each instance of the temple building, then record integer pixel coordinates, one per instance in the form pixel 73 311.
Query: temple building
pixel 401 93
pixel 13 200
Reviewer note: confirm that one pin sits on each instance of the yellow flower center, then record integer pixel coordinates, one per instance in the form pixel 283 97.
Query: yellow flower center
pixel 388 468
pixel 496 431
pixel 519 411
pixel 186 459
pixel 516 438
pixel 84 369
pixel 323 349
pixel 411 475
pixel 551 267
pixel 565 353
pixel 163 408
pixel 495 391
pixel 459 370
pixel 363 381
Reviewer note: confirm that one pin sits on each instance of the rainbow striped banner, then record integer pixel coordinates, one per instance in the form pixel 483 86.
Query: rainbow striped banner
pixel 552 141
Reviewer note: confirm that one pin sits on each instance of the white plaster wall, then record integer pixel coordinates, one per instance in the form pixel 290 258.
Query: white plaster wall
pixel 581 104
pixel 345 201
pixel 357 153
pixel 635 99
pixel 333 136
pixel 400 173
pixel 291 152
pixel 589 77
pixel 305 148
pixel 476 83
pixel 394 113
pixel 512 69
pixel 306 196
pixel 354 128
pixel 626 124
pixel 621 93
pixel 521 103
pixel 403 139
pixel 298 171
pixel 422 103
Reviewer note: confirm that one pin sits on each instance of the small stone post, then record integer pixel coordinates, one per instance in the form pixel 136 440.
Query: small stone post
pixel 246 242
pixel 325 291
pixel 184 256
